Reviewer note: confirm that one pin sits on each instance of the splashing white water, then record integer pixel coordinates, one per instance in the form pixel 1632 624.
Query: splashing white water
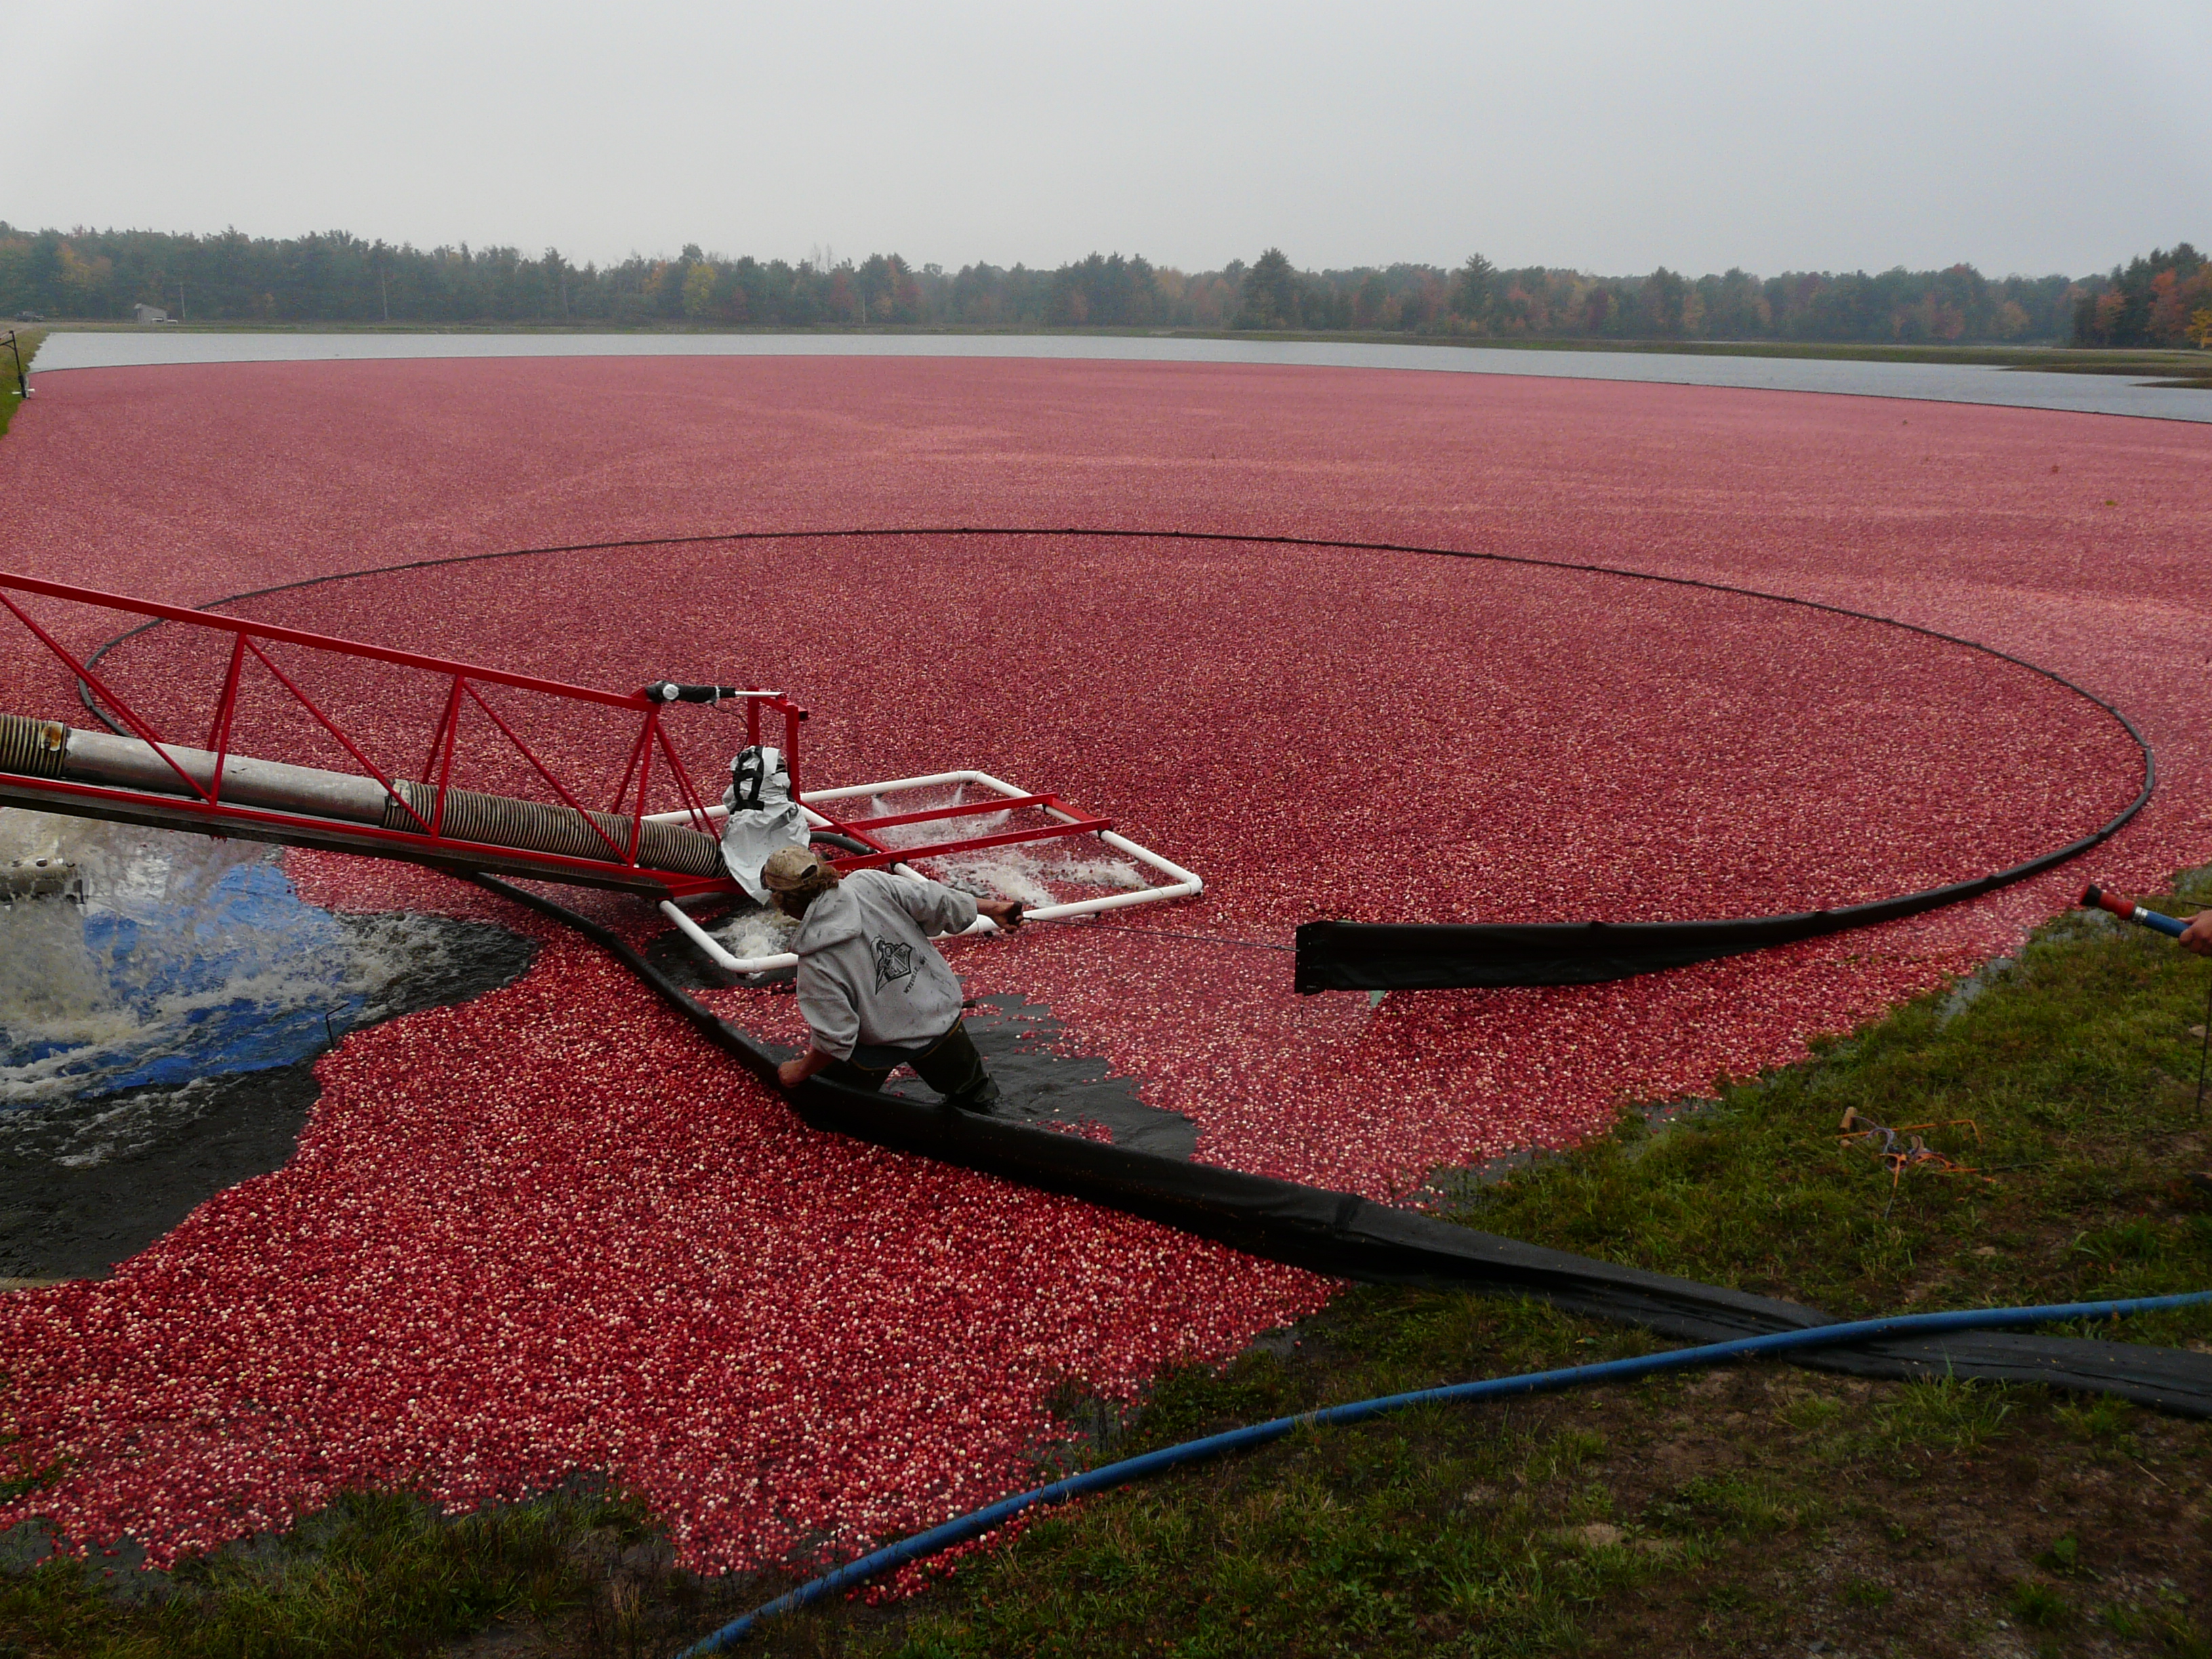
pixel 1035 873
pixel 751 934
pixel 187 957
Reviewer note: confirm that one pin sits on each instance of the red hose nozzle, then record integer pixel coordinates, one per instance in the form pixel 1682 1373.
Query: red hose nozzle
pixel 2095 897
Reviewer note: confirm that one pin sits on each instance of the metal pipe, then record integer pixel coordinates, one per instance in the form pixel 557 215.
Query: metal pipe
pixel 69 762
pixel 711 948
pixel 128 763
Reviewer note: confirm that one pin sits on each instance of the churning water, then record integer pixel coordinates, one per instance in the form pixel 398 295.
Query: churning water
pixel 1036 872
pixel 161 999
pixel 133 958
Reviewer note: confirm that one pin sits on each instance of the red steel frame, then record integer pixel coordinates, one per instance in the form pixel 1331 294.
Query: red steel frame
pixel 203 807
pixel 857 829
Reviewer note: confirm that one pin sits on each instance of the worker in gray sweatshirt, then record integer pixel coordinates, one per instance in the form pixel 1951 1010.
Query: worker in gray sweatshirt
pixel 872 990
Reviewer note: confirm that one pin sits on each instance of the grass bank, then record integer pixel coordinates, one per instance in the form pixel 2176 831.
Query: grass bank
pixel 1763 1509
pixel 27 341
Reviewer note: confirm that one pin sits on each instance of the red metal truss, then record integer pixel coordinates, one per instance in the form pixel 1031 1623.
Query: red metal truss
pixel 203 806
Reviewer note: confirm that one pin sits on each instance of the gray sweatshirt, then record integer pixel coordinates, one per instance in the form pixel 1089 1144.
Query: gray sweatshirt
pixel 867 972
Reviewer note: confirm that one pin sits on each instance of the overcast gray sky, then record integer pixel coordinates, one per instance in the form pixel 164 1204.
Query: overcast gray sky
pixel 2020 137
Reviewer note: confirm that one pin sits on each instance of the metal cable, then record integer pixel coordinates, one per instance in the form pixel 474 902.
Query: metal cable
pixel 1163 932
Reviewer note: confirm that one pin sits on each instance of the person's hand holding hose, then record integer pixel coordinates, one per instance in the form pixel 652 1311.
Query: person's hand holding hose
pixel 2197 936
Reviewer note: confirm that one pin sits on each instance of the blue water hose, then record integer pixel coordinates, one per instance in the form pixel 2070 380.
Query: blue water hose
pixel 2096 899
pixel 979 1522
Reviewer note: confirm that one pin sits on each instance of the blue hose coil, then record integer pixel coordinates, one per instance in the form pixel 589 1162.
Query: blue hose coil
pixel 979 1522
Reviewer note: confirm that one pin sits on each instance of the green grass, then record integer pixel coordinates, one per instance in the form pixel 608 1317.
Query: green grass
pixel 2077 1065
pixel 1752 1510
pixel 373 1574
pixel 27 341
pixel 1470 1532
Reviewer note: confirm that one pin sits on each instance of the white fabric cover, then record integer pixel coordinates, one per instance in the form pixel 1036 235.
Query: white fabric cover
pixel 765 818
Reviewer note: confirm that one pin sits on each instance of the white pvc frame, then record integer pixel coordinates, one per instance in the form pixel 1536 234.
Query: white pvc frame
pixel 1180 883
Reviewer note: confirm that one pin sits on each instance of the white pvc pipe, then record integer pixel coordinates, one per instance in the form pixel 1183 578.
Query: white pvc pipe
pixel 712 949
pixel 1184 884
pixel 1180 883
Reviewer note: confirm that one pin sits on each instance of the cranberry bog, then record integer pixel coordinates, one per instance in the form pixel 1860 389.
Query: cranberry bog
pixel 549 1231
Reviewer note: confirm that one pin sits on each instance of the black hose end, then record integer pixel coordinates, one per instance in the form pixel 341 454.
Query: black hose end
pixel 670 691
pixel 2092 897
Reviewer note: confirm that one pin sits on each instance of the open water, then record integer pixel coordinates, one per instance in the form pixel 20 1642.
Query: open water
pixel 162 1000
pixel 1961 383
pixel 175 957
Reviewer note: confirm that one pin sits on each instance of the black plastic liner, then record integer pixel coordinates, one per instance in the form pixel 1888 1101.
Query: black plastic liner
pixel 1337 1233
pixel 1360 956
pixel 1355 956
pixel 1351 1237
pixel 1347 1236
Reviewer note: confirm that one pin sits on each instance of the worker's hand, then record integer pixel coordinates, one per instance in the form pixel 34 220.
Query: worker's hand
pixel 2197 936
pixel 792 1073
pixel 1007 913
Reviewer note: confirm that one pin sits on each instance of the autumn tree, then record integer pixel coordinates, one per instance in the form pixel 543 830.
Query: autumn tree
pixel 1735 307
pixel 698 290
pixel 887 290
pixel 1660 299
pixel 2151 301
pixel 335 277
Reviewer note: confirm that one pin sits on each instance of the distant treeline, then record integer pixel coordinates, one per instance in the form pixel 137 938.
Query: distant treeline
pixel 2163 300
pixel 337 277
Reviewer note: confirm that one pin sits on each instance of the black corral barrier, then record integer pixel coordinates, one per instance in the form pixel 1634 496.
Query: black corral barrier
pixel 1341 1234
pixel 1352 1237
pixel 1355 956
pixel 1363 955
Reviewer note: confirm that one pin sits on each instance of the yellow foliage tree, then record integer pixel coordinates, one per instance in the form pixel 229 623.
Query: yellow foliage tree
pixel 86 279
pixel 698 290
